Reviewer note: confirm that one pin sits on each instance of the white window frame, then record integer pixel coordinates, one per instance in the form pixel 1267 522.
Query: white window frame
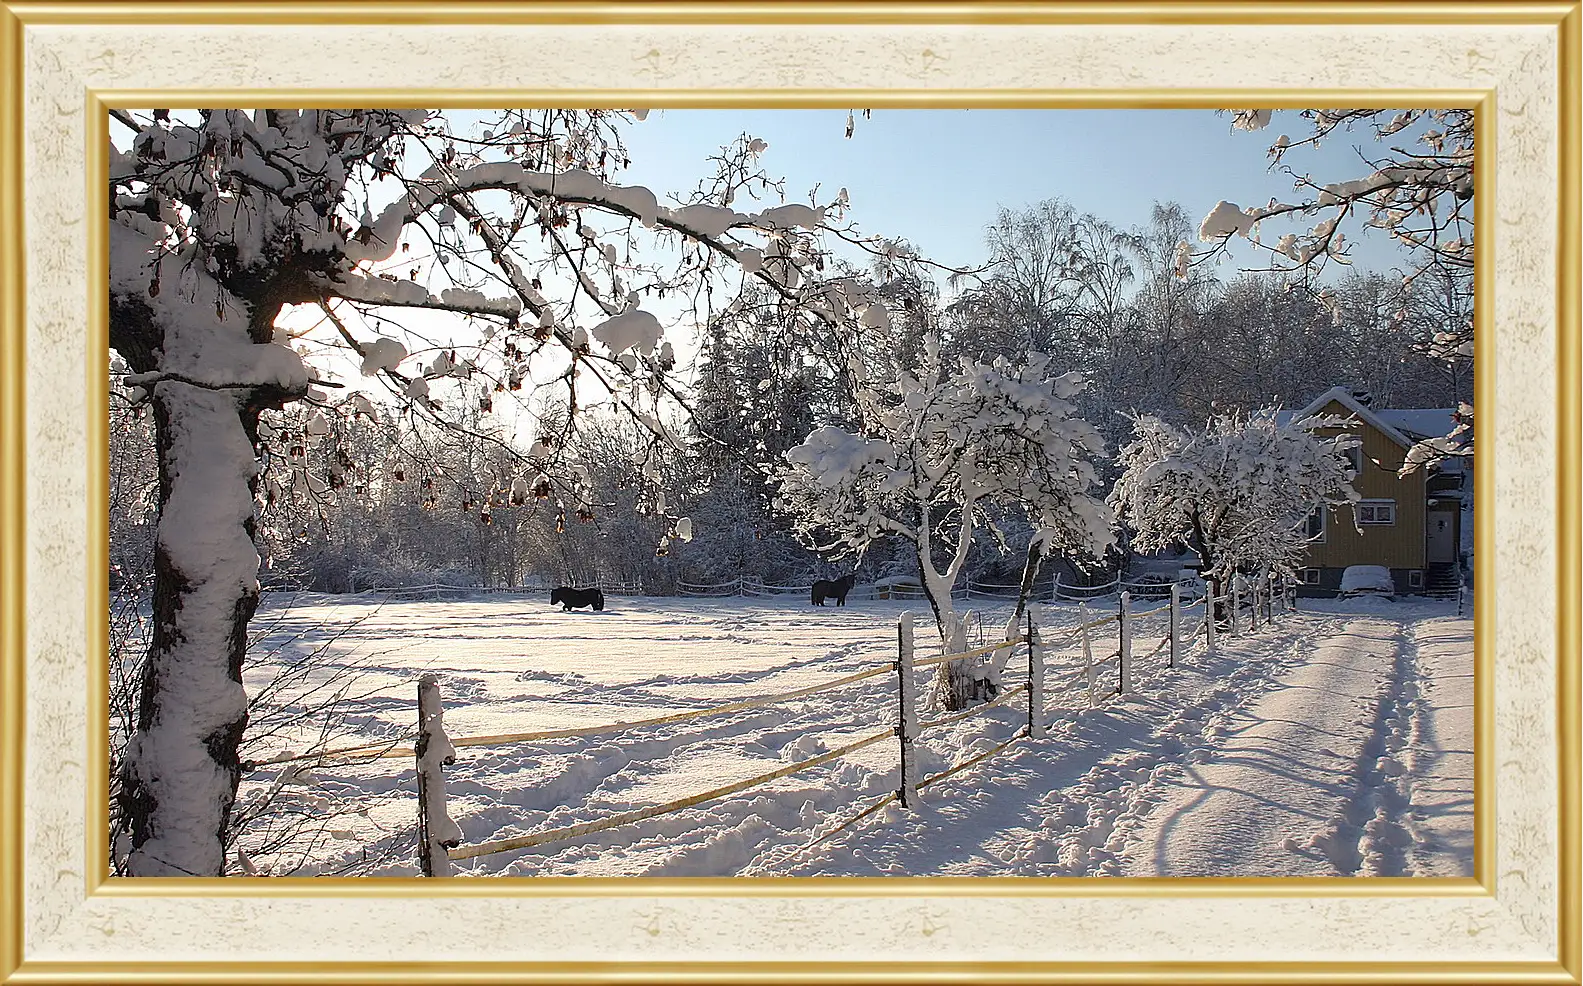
pixel 1354 457
pixel 1311 576
pixel 1324 524
pixel 1415 579
pixel 1372 521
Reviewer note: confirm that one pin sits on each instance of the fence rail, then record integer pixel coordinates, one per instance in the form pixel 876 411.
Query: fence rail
pixel 627 818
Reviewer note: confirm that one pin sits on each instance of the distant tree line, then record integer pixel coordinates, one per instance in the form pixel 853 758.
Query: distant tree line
pixel 382 497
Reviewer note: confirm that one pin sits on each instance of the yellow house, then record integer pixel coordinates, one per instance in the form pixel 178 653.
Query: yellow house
pixel 1409 524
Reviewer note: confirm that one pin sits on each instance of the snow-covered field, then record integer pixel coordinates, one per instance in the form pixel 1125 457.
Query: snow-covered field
pixel 1337 742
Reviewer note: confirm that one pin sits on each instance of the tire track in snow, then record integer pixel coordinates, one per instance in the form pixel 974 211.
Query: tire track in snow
pixel 1440 753
pixel 1286 793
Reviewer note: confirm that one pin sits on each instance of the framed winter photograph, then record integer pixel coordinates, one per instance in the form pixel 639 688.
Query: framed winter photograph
pixel 879 493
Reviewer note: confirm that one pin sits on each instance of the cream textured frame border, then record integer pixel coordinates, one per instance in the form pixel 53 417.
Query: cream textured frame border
pixel 1519 916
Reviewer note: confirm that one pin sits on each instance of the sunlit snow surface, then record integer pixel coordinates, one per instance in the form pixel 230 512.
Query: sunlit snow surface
pixel 1365 770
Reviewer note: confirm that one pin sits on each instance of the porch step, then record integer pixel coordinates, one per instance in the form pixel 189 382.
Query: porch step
pixel 1442 582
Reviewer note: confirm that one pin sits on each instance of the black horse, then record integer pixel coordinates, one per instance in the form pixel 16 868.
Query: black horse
pixel 837 588
pixel 569 597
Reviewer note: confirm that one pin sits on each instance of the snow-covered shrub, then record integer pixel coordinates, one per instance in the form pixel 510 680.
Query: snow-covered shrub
pixel 938 448
pixel 1237 491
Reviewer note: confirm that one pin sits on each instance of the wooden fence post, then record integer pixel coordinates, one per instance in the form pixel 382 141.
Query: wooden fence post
pixel 1124 660
pixel 907 708
pixel 436 831
pixel 1176 614
pixel 1233 600
pixel 1035 681
pixel 1088 648
pixel 1209 618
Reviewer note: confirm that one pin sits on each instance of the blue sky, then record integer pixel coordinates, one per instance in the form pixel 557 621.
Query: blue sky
pixel 937 177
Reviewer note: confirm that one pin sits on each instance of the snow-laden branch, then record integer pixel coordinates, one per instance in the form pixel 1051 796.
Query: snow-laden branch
pixel 392 292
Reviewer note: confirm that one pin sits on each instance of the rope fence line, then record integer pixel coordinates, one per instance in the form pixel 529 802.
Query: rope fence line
pixel 346 752
pixel 892 796
pixel 976 652
pixel 628 817
pixel 748 585
pixel 505 739
pixel 586 828
pixel 1000 699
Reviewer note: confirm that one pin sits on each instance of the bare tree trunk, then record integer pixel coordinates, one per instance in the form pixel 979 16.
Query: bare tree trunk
pixel 952 688
pixel 1031 564
pixel 1213 609
pixel 181 768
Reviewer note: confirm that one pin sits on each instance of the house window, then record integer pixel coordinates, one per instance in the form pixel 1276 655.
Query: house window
pixel 1376 512
pixel 1354 457
pixel 1415 580
pixel 1314 526
pixel 1310 576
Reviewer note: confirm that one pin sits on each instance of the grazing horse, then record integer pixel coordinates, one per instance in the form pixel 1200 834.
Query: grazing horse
pixel 832 587
pixel 569 597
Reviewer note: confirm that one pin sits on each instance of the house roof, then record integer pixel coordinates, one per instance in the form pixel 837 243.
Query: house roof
pixel 1427 422
pixel 1404 426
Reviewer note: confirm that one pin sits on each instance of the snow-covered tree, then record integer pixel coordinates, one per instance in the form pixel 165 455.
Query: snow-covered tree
pixel 937 448
pixel 1416 185
pixel 256 256
pixel 1237 490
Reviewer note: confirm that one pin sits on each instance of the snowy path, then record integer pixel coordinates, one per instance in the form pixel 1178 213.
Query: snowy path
pixel 1441 768
pixel 1068 806
pixel 1342 769
pixel 1268 801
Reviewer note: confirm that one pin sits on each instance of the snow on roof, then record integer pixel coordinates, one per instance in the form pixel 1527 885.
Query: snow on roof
pixel 1424 422
pixel 1343 396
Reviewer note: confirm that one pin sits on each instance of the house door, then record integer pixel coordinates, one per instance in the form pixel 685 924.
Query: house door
pixel 1441 532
